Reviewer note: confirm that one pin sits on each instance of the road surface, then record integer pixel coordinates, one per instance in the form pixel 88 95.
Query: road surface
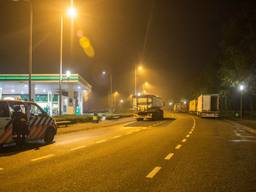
pixel 186 154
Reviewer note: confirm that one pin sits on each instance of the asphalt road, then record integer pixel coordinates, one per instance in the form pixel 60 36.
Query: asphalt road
pixel 186 154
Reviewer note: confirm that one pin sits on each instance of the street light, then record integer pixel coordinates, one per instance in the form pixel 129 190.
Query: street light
pixel 111 89
pixel 71 13
pixel 137 68
pixel 241 89
pixel 121 101
pixel 30 49
pixel 170 104
pixel 68 74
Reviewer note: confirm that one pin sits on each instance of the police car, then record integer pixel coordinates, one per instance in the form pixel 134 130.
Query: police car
pixel 40 125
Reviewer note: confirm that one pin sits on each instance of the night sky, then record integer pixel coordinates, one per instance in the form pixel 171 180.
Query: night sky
pixel 183 40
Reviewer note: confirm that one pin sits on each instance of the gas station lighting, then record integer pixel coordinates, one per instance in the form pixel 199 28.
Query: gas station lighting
pixel 68 73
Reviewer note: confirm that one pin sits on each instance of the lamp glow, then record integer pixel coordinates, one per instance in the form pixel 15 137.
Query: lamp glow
pixel 72 12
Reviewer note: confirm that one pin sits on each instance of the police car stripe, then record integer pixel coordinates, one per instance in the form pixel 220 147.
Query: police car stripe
pixel 39 127
pixel 7 136
pixel 34 121
pixel 8 125
pixel 2 137
pixel 42 131
pixel 49 121
pixel 6 133
pixel 44 121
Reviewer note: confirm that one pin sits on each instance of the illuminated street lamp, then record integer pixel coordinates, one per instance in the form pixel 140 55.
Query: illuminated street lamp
pixel 111 89
pixel 241 88
pixel 30 49
pixel 170 104
pixel 71 13
pixel 121 101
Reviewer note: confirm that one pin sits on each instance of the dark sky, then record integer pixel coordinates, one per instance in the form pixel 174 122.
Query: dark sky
pixel 183 39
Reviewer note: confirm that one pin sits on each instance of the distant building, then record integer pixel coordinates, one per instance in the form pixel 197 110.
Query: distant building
pixel 45 91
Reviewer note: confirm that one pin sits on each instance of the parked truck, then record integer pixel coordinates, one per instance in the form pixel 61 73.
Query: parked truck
pixel 208 105
pixel 193 106
pixel 148 107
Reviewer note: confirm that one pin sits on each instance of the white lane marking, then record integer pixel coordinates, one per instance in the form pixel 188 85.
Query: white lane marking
pixel 169 156
pixel 236 133
pixel 178 146
pixel 184 140
pixel 194 122
pixel 187 135
pixel 153 172
pixel 43 157
pixel 144 128
pixel 77 148
pixel 1 169
pixel 242 140
pixel 101 141
pixel 190 132
pixel 117 136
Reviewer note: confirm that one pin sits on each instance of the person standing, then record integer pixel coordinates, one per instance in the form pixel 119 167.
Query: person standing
pixel 20 125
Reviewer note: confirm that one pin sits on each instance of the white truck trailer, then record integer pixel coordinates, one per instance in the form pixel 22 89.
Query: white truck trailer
pixel 208 105
pixel 148 107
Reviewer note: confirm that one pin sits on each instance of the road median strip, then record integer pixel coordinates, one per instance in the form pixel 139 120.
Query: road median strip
pixel 153 172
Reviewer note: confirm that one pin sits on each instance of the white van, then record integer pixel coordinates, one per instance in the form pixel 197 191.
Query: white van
pixel 41 125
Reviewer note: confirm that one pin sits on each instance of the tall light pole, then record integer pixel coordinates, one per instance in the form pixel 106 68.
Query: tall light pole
pixel 61 64
pixel 72 13
pixel 30 47
pixel 137 68
pixel 241 89
pixel 111 89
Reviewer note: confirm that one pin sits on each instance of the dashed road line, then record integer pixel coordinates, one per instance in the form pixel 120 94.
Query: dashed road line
pixel 43 157
pixel 1 169
pixel 178 146
pixel 194 125
pixel 184 140
pixel 190 132
pixel 117 136
pixel 101 141
pixel 187 135
pixel 169 156
pixel 153 172
pixel 77 148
